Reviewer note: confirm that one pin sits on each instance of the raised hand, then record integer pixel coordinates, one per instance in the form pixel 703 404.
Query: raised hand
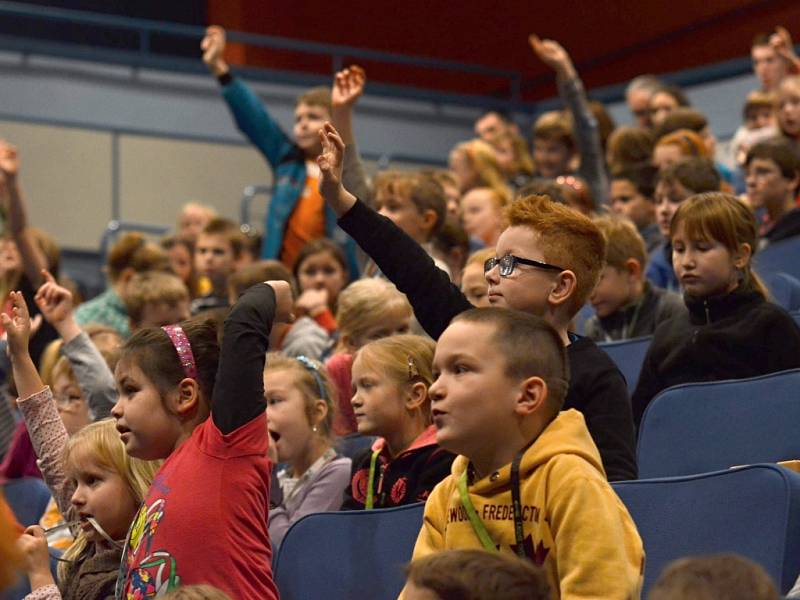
pixel 312 302
pixel 53 300
pixel 213 47
pixel 283 301
pixel 330 161
pixel 348 85
pixel 781 42
pixel 17 325
pixel 9 161
pixel 553 55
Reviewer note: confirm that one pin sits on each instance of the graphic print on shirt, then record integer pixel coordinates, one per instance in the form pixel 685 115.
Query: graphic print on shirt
pixel 157 572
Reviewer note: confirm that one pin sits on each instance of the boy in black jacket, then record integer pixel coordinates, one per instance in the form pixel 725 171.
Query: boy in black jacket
pixel 541 235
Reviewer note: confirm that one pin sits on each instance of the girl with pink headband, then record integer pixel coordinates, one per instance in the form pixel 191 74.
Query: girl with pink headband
pixel 201 407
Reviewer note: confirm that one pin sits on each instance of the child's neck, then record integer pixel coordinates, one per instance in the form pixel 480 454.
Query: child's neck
pixel 556 320
pixel 496 457
pixel 316 448
pixel 399 440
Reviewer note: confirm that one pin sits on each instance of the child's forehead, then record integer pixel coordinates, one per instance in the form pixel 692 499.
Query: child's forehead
pixel 316 109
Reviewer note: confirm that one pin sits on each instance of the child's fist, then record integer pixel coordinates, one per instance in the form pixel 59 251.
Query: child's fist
pixel 17 325
pixel 283 301
pixel 9 161
pixel 213 47
pixel 33 546
pixel 312 302
pixel 348 85
pixel 551 53
pixel 53 300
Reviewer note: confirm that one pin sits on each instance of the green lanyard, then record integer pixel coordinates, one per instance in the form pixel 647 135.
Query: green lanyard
pixel 371 481
pixel 477 523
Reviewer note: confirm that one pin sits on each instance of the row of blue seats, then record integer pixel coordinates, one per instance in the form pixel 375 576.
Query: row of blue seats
pixel 753 511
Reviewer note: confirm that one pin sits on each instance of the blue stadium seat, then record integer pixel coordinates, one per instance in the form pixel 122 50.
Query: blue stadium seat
pixel 753 511
pixel 346 555
pixel 28 498
pixel 628 356
pixel 780 257
pixel 784 289
pixel 699 427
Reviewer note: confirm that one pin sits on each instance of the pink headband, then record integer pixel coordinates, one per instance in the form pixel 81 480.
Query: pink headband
pixel 183 348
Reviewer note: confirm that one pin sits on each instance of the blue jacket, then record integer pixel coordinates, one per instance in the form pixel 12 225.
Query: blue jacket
pixel 660 271
pixel 288 165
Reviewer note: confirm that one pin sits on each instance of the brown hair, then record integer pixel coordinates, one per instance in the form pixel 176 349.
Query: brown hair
pixel 567 238
pixel 152 287
pixel 529 345
pixel 695 174
pixel 317 96
pixel 689 142
pixel 623 242
pixel 757 100
pixel 781 152
pixel 422 190
pixel 723 218
pixel 479 575
pixel 718 577
pixel 523 161
pixel 153 352
pixel 133 251
pixel 682 117
pixel 229 230
pixel 263 270
pixel 642 177
pixel 630 146
pixel 314 384
pixel 173 241
pixel 321 246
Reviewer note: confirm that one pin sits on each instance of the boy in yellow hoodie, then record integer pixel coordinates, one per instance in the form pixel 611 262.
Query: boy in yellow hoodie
pixel 528 478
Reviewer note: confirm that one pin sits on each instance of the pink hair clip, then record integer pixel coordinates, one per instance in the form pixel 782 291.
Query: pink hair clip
pixel 184 349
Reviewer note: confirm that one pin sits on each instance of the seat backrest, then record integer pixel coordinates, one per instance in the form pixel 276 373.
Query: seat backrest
pixel 753 511
pixel 780 257
pixel 348 554
pixel 700 427
pixel 784 289
pixel 628 356
pixel 28 498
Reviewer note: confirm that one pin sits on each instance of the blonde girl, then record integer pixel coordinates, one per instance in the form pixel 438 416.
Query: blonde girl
pixel 300 409
pixel 731 330
pixel 93 480
pixel 369 309
pixel 482 213
pixel 473 280
pixel 474 163
pixel 391 379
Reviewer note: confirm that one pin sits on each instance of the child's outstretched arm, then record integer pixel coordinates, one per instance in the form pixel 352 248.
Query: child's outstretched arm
pixel 587 134
pixel 348 85
pixel 251 117
pixel 239 387
pixel 91 370
pixel 33 259
pixel 404 262
pixel 47 432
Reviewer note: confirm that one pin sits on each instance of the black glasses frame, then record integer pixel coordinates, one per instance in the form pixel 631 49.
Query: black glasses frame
pixel 509 262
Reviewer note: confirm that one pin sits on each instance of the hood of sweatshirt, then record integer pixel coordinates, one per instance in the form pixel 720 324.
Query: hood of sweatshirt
pixel 566 434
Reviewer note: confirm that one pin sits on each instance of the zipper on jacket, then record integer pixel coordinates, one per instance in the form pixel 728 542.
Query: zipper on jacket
pixel 708 312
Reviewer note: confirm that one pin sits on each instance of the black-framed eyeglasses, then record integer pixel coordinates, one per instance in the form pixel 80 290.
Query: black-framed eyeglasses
pixel 509 262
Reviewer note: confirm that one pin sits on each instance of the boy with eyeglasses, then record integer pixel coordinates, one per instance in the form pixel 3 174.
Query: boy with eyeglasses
pixel 572 250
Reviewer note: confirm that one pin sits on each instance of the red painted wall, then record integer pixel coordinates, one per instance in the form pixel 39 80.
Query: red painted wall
pixel 611 41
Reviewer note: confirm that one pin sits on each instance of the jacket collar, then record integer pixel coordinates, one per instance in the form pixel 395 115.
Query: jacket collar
pixel 703 311
pixel 426 438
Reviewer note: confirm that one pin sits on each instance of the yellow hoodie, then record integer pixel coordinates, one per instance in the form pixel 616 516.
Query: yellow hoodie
pixel 575 525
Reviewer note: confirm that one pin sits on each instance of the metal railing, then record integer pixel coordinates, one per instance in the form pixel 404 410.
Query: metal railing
pixel 142 54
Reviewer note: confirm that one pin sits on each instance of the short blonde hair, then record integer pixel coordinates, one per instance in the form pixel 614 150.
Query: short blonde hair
pixel 367 303
pixel 553 127
pixel 483 160
pixel 623 242
pixel 479 257
pixel 313 382
pixel 153 287
pixel 100 443
pixel 317 96
pixel 566 237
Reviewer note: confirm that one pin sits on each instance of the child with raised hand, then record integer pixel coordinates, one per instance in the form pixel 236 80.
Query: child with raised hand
pixel 296 213
pixel 391 378
pixel 369 309
pixel 547 262
pixel 300 409
pixel 586 130
pixel 731 331
pixel 348 86
pixel 97 486
pixel 528 479
pixel 201 407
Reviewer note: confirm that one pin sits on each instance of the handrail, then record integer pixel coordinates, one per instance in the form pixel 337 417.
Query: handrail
pixel 145 28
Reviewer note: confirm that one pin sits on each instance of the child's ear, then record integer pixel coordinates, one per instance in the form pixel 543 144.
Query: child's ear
pixel 349 344
pixel 187 399
pixel 417 396
pixel 742 256
pixel 533 394
pixel 319 412
pixel 565 284
pixel 634 268
pixel 429 218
